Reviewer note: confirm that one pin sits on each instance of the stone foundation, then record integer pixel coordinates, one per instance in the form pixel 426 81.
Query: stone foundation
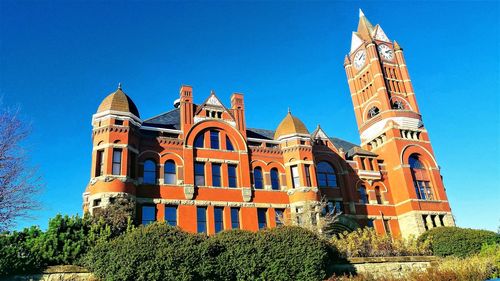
pixel 383 266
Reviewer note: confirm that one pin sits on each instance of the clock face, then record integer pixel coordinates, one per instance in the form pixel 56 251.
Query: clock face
pixel 385 52
pixel 359 59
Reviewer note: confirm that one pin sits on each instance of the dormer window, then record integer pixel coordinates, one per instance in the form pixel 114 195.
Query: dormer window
pixel 374 111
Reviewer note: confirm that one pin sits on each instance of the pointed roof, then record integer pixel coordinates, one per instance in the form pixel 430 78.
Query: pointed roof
pixel 319 133
pixel 365 28
pixel 290 125
pixel 379 34
pixel 118 101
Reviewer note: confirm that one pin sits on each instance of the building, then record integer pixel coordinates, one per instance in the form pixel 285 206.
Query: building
pixel 200 167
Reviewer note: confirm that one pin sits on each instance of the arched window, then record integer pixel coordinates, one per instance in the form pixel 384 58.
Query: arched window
pixel 170 175
pixel 149 176
pixel 421 178
pixel 257 178
pixel 363 195
pixel 326 175
pixel 275 179
pixel 374 111
pixel 229 144
pixel 199 140
pixel 378 195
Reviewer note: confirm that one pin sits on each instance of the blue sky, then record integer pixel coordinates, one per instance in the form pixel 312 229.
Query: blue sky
pixel 59 59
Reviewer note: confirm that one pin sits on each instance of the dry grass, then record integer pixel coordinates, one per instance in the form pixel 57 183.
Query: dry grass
pixel 474 268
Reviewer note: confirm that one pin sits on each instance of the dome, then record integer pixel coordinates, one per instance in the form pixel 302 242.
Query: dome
pixel 289 126
pixel 118 101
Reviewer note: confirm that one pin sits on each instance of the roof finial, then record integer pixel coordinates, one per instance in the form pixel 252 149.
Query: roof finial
pixel 289 110
pixel 361 14
pixel 212 92
pixel 119 85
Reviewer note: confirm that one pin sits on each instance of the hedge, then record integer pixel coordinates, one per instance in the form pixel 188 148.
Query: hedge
pixel 455 241
pixel 161 252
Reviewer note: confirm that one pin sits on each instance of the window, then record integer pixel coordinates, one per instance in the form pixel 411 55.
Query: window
pixel 214 140
pixel 415 162
pixel 170 173
pixel 423 190
pixel 117 161
pixel 362 195
pixel 199 173
pixel 387 227
pixel 279 216
pixel 378 195
pixel 171 215
pixel 199 141
pixel 133 165
pixel 219 219
pixel 96 203
pixel 262 217
pixel 374 111
pixel 235 218
pixel 148 214
pixel 308 175
pixel 257 178
pixel 149 172
pixel 421 181
pixel 232 178
pixel 333 207
pixel 99 169
pixel 119 122
pixel 275 179
pixel 295 177
pixel 229 145
pixel 398 105
pixel 216 174
pixel 326 175
pixel 201 219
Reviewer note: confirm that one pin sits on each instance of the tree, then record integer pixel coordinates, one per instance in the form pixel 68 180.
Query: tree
pixel 19 183
pixel 315 216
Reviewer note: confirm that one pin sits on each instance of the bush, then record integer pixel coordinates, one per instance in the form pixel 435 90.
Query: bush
pixel 461 242
pixel 365 242
pixel 161 252
pixel 15 252
pixel 153 252
pixel 64 242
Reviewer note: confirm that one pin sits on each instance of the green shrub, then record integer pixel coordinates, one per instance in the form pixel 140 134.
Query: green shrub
pixel 293 253
pixel 461 242
pixel 15 252
pixel 64 242
pixel 161 252
pixel 153 252
pixel 366 242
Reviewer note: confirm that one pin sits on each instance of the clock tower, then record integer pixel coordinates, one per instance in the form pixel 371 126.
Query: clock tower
pixel 390 125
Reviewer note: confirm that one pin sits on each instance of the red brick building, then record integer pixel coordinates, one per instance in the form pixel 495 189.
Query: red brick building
pixel 200 167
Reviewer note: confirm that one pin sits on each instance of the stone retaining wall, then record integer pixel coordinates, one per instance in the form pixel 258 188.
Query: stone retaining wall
pixel 56 273
pixel 382 266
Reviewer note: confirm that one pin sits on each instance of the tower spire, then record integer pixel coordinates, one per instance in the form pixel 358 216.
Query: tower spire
pixel 365 28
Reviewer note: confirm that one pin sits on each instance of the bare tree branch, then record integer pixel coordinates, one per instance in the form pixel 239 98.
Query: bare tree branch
pixel 19 183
